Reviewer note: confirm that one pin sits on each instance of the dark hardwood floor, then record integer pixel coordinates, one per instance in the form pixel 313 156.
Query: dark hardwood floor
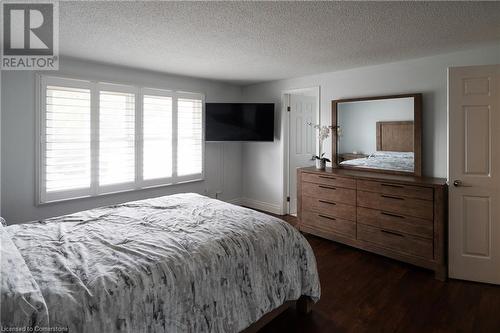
pixel 364 292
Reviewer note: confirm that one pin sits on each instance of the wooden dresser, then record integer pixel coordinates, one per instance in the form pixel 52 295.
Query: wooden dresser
pixel 402 217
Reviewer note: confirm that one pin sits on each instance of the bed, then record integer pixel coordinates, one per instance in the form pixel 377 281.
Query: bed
pixel 395 148
pixel 180 263
pixel 385 160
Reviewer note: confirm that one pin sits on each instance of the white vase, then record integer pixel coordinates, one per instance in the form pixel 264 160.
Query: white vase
pixel 320 164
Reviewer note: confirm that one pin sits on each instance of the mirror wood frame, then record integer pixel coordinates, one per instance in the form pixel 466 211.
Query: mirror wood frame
pixel 417 133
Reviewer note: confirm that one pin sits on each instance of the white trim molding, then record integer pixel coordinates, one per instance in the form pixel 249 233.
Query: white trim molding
pixel 264 206
pixel 235 201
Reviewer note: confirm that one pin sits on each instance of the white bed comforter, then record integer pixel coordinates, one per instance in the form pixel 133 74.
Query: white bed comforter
pixel 180 263
pixel 386 160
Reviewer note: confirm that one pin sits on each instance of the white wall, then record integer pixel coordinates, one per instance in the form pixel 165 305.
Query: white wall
pixel 358 121
pixel 223 161
pixel 252 171
pixel 262 163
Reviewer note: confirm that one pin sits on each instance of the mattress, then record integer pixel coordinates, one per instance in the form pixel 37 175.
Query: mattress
pixel 180 263
pixel 386 160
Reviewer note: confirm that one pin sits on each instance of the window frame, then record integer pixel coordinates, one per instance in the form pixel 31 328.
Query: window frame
pixel 95 86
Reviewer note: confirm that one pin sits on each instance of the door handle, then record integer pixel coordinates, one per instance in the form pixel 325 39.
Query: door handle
pixel 459 183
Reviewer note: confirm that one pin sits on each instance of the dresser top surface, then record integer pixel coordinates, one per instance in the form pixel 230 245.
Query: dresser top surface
pixel 369 175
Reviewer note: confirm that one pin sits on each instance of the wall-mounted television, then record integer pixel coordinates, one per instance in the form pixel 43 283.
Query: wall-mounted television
pixel 239 122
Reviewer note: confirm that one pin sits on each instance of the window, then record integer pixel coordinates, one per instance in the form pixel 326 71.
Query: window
pixel 157 161
pixel 67 138
pixel 116 138
pixel 189 143
pixel 98 138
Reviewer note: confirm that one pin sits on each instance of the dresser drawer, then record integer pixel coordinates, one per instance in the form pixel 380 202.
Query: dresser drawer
pixel 418 192
pixel 396 222
pixel 329 180
pixel 396 241
pixel 331 208
pixel 396 204
pixel 328 223
pixel 329 193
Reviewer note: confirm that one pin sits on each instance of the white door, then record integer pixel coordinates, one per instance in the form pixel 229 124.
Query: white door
pixel 302 142
pixel 474 170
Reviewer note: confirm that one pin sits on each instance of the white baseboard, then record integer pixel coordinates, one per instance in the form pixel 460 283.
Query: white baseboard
pixel 256 204
pixel 260 205
pixel 235 201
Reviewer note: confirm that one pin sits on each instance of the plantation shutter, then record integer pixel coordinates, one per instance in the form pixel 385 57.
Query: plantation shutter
pixel 189 136
pixel 66 138
pixel 116 137
pixel 157 137
pixel 97 138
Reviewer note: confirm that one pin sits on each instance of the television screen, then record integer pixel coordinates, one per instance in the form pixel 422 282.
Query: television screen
pixel 239 122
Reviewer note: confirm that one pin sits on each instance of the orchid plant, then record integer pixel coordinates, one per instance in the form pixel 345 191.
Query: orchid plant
pixel 323 134
pixel 321 158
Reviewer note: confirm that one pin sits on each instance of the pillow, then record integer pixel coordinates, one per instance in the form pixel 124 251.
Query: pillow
pixel 3 222
pixel 23 305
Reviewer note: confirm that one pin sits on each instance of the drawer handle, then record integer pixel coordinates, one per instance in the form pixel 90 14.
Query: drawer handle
pixel 327 177
pixel 391 197
pixel 327 217
pixel 392 215
pixel 328 187
pixel 391 233
pixel 392 185
pixel 327 202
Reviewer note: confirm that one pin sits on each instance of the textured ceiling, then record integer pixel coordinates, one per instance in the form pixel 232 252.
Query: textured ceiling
pixel 247 42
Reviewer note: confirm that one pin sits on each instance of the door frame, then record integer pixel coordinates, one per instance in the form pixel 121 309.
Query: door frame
pixel 285 129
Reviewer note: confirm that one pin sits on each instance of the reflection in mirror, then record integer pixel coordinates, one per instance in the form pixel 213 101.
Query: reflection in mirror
pixel 376 134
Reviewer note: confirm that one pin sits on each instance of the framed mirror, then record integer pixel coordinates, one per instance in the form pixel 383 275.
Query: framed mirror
pixel 382 133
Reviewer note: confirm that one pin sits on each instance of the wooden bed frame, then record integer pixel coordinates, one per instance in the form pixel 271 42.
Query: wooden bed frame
pixel 304 306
